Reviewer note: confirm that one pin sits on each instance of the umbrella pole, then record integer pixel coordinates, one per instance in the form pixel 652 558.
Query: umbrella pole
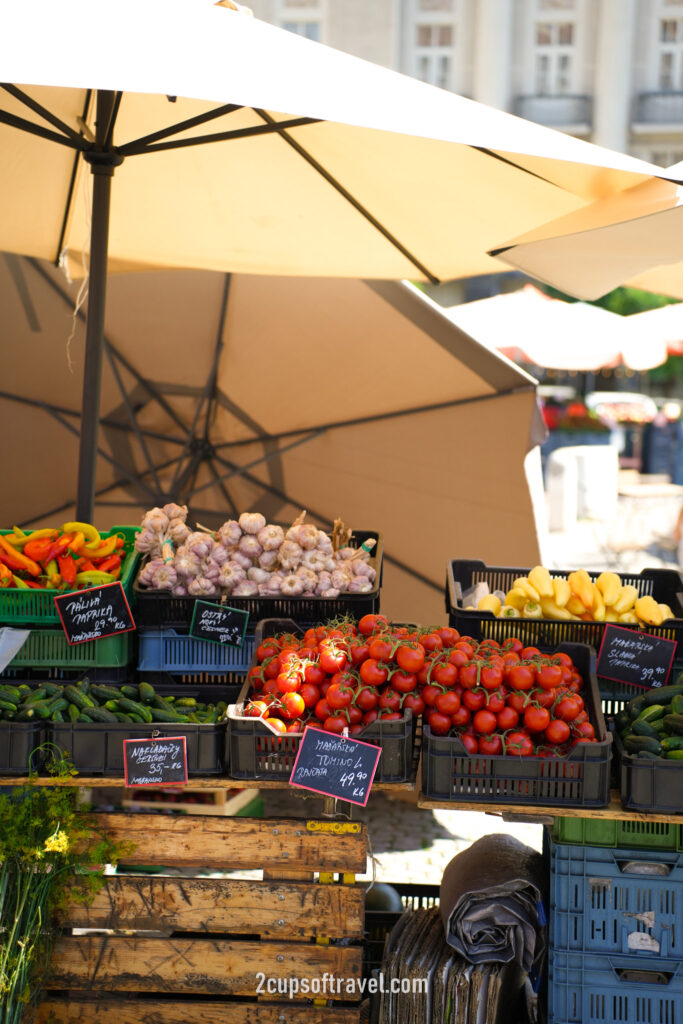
pixel 102 162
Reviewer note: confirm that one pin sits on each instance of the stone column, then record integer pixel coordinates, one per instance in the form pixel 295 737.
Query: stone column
pixel 492 52
pixel 613 92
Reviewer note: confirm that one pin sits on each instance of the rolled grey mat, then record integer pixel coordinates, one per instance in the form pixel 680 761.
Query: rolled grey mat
pixel 491 903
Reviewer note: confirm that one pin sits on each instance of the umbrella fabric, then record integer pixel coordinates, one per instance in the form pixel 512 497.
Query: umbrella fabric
pixel 490 901
pixel 231 393
pixel 631 238
pixel 528 326
pixel 662 326
pixel 395 179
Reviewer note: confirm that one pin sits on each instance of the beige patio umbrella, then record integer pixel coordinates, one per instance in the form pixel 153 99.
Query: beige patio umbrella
pixel 530 327
pixel 220 142
pixel 346 398
pixel 634 237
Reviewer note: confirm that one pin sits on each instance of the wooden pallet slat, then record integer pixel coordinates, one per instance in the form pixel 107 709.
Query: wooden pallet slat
pixel 96 1010
pixel 271 909
pixel 206 966
pixel 239 843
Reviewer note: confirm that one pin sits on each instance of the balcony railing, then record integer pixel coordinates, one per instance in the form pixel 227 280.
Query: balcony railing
pixel 659 108
pixel 556 111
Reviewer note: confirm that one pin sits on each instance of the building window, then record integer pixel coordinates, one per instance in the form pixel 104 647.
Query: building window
pixel 432 42
pixel 303 17
pixel 554 57
pixel 671 54
pixel 309 29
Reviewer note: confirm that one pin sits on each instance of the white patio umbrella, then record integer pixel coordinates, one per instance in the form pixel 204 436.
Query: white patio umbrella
pixel 634 238
pixel 233 145
pixel 528 326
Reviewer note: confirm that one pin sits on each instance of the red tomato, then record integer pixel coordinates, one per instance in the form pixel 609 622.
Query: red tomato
pixel 390 699
pixel 563 659
pixel 567 709
pixel 557 731
pixel 438 723
pixel 381 648
pixel 358 651
pixel 474 699
pixel 519 677
pixel 465 647
pixel 292 706
pixel 277 724
pixel 448 702
pixel 335 723
pixel 367 698
pixel 410 659
pixel 470 743
pixel 322 709
pixel 449 636
pixel 354 714
pixel 519 743
pixel 271 668
pixel 431 642
pixel 270 688
pixel 339 695
pixel 458 658
pixel 288 681
pixel 313 674
pixel 546 698
pixel 372 673
pixel 496 701
pixel 404 682
pixel 356 729
pixel 468 675
pixel 536 719
pixel 332 656
pixel 529 653
pixel 484 722
pixel 429 694
pixel 518 700
pixel 392 716
pixel 548 677
pixel 256 709
pixel 372 624
pixel 463 716
pixel 413 702
pixel 511 658
pixel 294 726
pixel 267 649
pixel 490 745
pixel 513 644
pixel 370 716
pixel 507 718
pixel 584 729
pixel 491 677
pixel 445 674
pixel 310 694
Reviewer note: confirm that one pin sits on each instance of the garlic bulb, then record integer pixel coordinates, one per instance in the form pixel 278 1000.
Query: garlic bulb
pixel 307 577
pixel 314 560
pixel 324 543
pixel 292 586
pixel 178 531
pixel 290 554
pixel 230 533
pixel 251 522
pixel 146 540
pixel 186 564
pixel 308 536
pixel 199 544
pixel 359 585
pixel 345 553
pixel 250 547
pixel 201 587
pixel 271 537
pixel 246 589
pixel 268 560
pixel 174 511
pixel 230 575
pixel 146 577
pixel 180 590
pixel 258 575
pixel 241 559
pixel 332 592
pixel 165 577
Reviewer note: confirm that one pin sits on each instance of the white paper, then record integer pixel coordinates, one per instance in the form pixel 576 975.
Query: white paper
pixel 11 642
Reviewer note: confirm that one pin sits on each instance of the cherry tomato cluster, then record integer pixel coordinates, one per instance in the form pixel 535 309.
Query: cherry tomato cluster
pixel 497 698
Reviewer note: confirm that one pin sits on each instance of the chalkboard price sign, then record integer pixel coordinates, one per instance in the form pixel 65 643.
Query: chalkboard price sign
pixel 94 613
pixel 335 766
pixel 219 624
pixel 639 659
pixel 160 761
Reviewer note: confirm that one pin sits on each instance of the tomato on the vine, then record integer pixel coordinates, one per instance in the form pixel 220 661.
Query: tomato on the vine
pixel 410 658
pixel 339 695
pixel 507 718
pixel 490 745
pixel 381 648
pixel 414 702
pixel 445 674
pixel 519 743
pixel 372 623
pixel 332 656
pixel 292 705
pixel 484 722
pixel 474 699
pixel 536 719
pixel 373 673
pixel 366 698
pixel 335 723
pixel 491 677
pixel 519 677
pixel 463 716
pixel 557 731
pixel 439 723
pixel 390 699
pixel 448 702
pixel 404 682
pixel 449 635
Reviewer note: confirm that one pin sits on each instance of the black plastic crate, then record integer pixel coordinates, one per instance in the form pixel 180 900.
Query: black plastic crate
pixel 255 752
pixel 581 779
pixel 157 609
pixel 379 923
pixel 97 748
pixel 18 741
pixel 606 900
pixel 586 988
pixel 649 784
pixel 665 585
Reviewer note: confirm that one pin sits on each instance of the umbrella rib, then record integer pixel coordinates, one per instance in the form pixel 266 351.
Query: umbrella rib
pixel 109 133
pixel 43 112
pixel 360 420
pixel 239 471
pixel 35 129
pixel 236 133
pixel 357 205
pixel 221 484
pixel 149 387
pixel 511 163
pixel 141 144
pixel 72 186
pixel 132 417
pixel 323 519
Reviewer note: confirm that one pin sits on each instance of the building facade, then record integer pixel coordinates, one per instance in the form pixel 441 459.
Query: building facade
pixel 610 71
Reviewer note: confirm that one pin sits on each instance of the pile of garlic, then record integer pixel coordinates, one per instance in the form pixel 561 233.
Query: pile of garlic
pixel 247 557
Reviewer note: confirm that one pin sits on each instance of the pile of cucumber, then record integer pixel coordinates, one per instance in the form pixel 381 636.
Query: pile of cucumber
pixel 92 702
pixel 651 725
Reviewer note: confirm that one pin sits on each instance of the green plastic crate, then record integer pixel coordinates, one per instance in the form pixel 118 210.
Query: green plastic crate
pixel 37 607
pixel 632 835
pixel 49 648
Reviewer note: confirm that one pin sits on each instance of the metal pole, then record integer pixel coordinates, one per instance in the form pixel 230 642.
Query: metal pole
pixel 102 165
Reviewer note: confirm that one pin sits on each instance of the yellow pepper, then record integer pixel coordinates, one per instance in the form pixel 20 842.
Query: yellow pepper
pixel 575 606
pixel 489 603
pixel 552 611
pixel 647 610
pixel 516 598
pixel 582 586
pixel 532 610
pixel 626 599
pixel 609 585
pixel 508 612
pixel 561 591
pixel 540 580
pixel 523 584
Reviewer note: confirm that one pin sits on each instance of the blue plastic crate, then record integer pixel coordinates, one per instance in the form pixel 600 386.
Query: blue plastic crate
pixel 179 654
pixel 592 989
pixel 606 900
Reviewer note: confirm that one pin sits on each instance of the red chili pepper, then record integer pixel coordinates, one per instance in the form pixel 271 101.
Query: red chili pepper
pixel 59 547
pixel 109 564
pixel 16 561
pixel 67 568
pixel 84 564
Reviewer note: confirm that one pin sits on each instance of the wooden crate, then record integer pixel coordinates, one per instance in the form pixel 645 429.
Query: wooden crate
pixel 191 950
pixel 223 801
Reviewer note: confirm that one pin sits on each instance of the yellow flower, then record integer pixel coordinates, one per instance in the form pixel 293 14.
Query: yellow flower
pixel 57 843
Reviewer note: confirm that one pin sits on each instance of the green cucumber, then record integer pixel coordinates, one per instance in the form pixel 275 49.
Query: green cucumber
pixel 11 693
pixel 637 744
pixel 104 693
pixel 674 723
pixel 131 691
pixel 83 716
pixel 186 702
pixel 77 697
pixel 56 716
pixel 167 716
pixel 122 717
pixel 147 693
pixel 73 712
pixel 26 714
pixel 40 693
pixel 674 755
pixel 641 728
pixel 677 705
pixel 651 712
pixel 53 689
pixel 672 743
pixel 131 707
pixel 8 705
pixel 84 685
pixel 101 715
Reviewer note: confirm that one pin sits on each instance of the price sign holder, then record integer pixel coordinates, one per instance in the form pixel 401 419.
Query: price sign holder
pixel 155 761
pixel 635 658
pixel 94 613
pixel 219 624
pixel 335 766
